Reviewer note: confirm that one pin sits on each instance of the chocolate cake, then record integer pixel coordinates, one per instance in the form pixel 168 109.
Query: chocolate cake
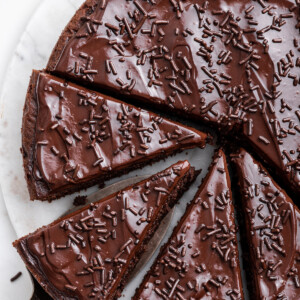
pixel 74 138
pixel 90 253
pixel 231 64
pixel 200 260
pixel 272 232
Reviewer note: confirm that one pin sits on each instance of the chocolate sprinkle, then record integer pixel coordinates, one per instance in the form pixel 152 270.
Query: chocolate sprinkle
pixel 15 277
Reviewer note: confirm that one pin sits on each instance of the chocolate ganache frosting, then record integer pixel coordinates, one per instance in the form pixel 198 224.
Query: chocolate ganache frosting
pixel 81 136
pixel 272 230
pixel 232 64
pixel 89 254
pixel 200 260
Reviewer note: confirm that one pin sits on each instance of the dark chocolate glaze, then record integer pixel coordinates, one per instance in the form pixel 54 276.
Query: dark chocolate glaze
pixel 81 135
pixel 232 64
pixel 86 254
pixel 272 224
pixel 200 261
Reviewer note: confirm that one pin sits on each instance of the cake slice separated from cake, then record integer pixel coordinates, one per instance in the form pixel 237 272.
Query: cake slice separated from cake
pixel 230 64
pixel 200 260
pixel 90 253
pixel 73 138
pixel 271 233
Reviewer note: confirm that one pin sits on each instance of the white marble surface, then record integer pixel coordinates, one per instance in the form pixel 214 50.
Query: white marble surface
pixel 33 51
pixel 11 33
pixel 11 263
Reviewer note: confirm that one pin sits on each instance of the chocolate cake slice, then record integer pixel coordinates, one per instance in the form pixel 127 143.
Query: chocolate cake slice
pixel 200 260
pixel 90 253
pixel 272 232
pixel 232 64
pixel 73 138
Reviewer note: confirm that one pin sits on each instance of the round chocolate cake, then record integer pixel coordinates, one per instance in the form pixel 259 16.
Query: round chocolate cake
pixel 91 115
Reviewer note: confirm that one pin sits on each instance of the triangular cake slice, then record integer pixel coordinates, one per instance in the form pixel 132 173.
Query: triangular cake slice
pixel 200 260
pixel 90 253
pixel 271 232
pixel 73 138
pixel 232 65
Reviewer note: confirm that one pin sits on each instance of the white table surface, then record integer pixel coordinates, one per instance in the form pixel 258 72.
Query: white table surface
pixel 12 29
pixel 10 263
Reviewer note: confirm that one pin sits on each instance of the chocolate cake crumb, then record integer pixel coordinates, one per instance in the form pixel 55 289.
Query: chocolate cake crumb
pixel 80 200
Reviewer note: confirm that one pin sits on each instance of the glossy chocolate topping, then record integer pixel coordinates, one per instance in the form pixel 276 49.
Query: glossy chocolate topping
pixel 81 135
pixel 273 231
pixel 233 64
pixel 200 261
pixel 85 255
